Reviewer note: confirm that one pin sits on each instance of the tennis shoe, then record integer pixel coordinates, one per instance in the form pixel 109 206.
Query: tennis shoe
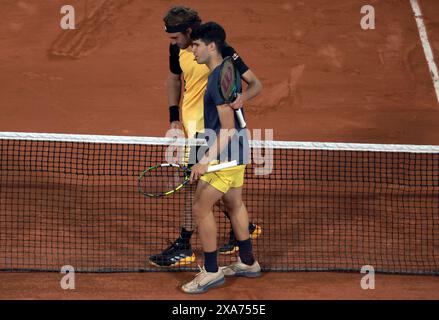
pixel 240 269
pixel 232 246
pixel 204 281
pixel 177 254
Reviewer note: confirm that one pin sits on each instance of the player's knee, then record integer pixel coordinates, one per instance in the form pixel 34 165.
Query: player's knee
pixel 197 210
pixel 234 205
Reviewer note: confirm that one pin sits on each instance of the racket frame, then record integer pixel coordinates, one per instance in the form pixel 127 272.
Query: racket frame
pixel 169 192
pixel 230 99
pixel 186 171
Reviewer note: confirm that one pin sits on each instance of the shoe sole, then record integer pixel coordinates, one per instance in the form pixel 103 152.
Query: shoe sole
pixel 235 249
pixel 254 235
pixel 247 275
pixel 208 287
pixel 182 262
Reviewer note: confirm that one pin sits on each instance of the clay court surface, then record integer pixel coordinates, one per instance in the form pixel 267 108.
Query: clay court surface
pixel 325 79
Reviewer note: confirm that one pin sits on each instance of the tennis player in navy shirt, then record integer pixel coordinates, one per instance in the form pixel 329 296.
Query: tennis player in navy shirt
pixel 226 142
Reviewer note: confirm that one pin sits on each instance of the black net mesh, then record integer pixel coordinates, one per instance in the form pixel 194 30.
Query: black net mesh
pixel 77 203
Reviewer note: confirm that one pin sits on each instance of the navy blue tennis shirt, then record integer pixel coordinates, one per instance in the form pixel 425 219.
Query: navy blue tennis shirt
pixel 238 148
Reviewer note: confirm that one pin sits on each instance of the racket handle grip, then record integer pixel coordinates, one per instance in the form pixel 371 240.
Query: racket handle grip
pixel 241 118
pixel 222 166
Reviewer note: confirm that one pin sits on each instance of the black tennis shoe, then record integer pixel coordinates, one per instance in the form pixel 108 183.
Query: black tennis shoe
pixel 177 254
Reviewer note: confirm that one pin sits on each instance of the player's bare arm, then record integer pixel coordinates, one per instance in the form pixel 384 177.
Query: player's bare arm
pixel 254 87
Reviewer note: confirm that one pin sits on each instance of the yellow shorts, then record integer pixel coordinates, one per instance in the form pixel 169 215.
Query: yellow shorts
pixel 225 179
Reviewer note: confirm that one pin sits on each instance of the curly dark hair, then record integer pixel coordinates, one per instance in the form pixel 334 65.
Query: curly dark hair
pixel 182 15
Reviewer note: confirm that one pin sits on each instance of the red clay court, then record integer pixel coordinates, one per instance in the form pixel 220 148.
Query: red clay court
pixel 325 80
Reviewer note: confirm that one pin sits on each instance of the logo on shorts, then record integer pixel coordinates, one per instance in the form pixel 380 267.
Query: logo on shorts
pixel 235 56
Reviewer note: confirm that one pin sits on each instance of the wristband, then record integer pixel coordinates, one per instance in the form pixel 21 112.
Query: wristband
pixel 174 113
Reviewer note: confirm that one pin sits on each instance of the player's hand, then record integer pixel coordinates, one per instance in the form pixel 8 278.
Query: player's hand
pixel 176 125
pixel 237 104
pixel 197 171
pixel 175 131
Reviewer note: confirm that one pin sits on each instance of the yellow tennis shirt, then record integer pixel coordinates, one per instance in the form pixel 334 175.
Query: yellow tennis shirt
pixel 195 81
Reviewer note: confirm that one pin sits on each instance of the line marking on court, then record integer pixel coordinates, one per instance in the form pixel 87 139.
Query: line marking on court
pixel 426 45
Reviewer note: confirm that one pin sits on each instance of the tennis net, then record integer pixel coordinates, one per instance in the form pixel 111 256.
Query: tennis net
pixel 73 200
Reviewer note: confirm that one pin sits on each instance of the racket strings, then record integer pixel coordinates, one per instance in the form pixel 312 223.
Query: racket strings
pixel 227 80
pixel 160 180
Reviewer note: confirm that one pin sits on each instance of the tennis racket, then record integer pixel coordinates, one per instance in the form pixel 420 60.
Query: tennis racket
pixel 228 81
pixel 167 178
